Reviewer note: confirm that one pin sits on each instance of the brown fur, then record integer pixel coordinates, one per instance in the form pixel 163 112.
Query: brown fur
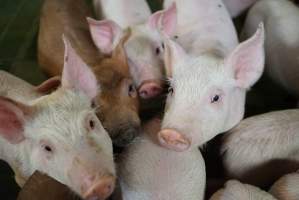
pixel 118 111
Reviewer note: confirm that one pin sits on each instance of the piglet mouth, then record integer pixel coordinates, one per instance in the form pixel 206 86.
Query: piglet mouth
pixel 101 189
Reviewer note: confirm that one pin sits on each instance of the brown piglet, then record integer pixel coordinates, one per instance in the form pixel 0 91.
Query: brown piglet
pixel 100 45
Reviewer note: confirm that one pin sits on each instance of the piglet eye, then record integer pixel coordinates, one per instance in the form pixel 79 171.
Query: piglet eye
pixel 157 51
pixel 163 46
pixel 215 98
pixel 170 90
pixel 47 148
pixel 132 91
pixel 91 124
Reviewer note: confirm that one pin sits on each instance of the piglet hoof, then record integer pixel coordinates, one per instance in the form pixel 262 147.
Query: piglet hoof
pixel 173 140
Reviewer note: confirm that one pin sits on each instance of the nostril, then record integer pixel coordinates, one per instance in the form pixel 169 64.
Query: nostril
pixel 150 90
pixel 173 140
pixel 101 189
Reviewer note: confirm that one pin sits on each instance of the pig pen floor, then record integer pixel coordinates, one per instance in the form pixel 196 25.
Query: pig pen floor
pixel 18 32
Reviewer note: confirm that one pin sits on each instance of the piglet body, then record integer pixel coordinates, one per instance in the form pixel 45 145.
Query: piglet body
pixel 236 7
pixel 286 188
pixel 148 171
pixel 282 40
pixel 262 148
pixel 125 13
pixel 234 190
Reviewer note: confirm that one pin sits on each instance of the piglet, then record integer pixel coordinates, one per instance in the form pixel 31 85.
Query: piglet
pixel 100 45
pixel 209 76
pixel 237 7
pixel 145 46
pixel 286 188
pixel 58 134
pixel 148 171
pixel 282 40
pixel 234 190
pixel 262 148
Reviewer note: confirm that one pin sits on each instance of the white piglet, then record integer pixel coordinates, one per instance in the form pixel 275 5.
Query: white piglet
pixel 234 190
pixel 148 171
pixel 236 7
pixel 145 47
pixel 262 148
pixel 282 40
pixel 209 76
pixel 59 133
pixel 286 188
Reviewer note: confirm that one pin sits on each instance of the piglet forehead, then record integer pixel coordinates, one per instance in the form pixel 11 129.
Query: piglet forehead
pixel 76 74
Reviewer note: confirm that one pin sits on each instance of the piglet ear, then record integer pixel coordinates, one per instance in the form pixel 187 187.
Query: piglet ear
pixel 49 85
pixel 12 120
pixel 248 59
pixel 76 74
pixel 105 34
pixel 164 20
pixel 173 55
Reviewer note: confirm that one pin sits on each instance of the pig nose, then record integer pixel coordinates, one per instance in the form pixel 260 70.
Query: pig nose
pixel 150 90
pixel 126 137
pixel 99 190
pixel 173 140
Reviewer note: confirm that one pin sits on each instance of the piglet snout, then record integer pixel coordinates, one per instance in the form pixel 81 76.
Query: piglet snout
pixel 99 189
pixel 173 140
pixel 150 89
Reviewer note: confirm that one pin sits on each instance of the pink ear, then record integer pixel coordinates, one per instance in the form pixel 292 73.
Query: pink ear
pixel 165 20
pixel 49 85
pixel 173 54
pixel 76 74
pixel 247 60
pixel 12 120
pixel 105 34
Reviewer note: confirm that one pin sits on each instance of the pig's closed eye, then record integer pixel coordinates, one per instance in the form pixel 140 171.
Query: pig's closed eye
pixel 132 91
pixel 91 124
pixel 48 148
pixel 170 90
pixel 215 98
pixel 157 51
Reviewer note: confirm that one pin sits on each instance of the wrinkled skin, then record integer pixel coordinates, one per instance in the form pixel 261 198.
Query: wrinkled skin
pixel 118 99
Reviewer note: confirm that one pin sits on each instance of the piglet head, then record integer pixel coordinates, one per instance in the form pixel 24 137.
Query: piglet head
pixel 145 52
pixel 119 99
pixel 207 93
pixel 60 134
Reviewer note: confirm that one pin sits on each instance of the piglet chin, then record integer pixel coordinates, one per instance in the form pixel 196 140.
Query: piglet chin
pixel 101 190
pixel 173 140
